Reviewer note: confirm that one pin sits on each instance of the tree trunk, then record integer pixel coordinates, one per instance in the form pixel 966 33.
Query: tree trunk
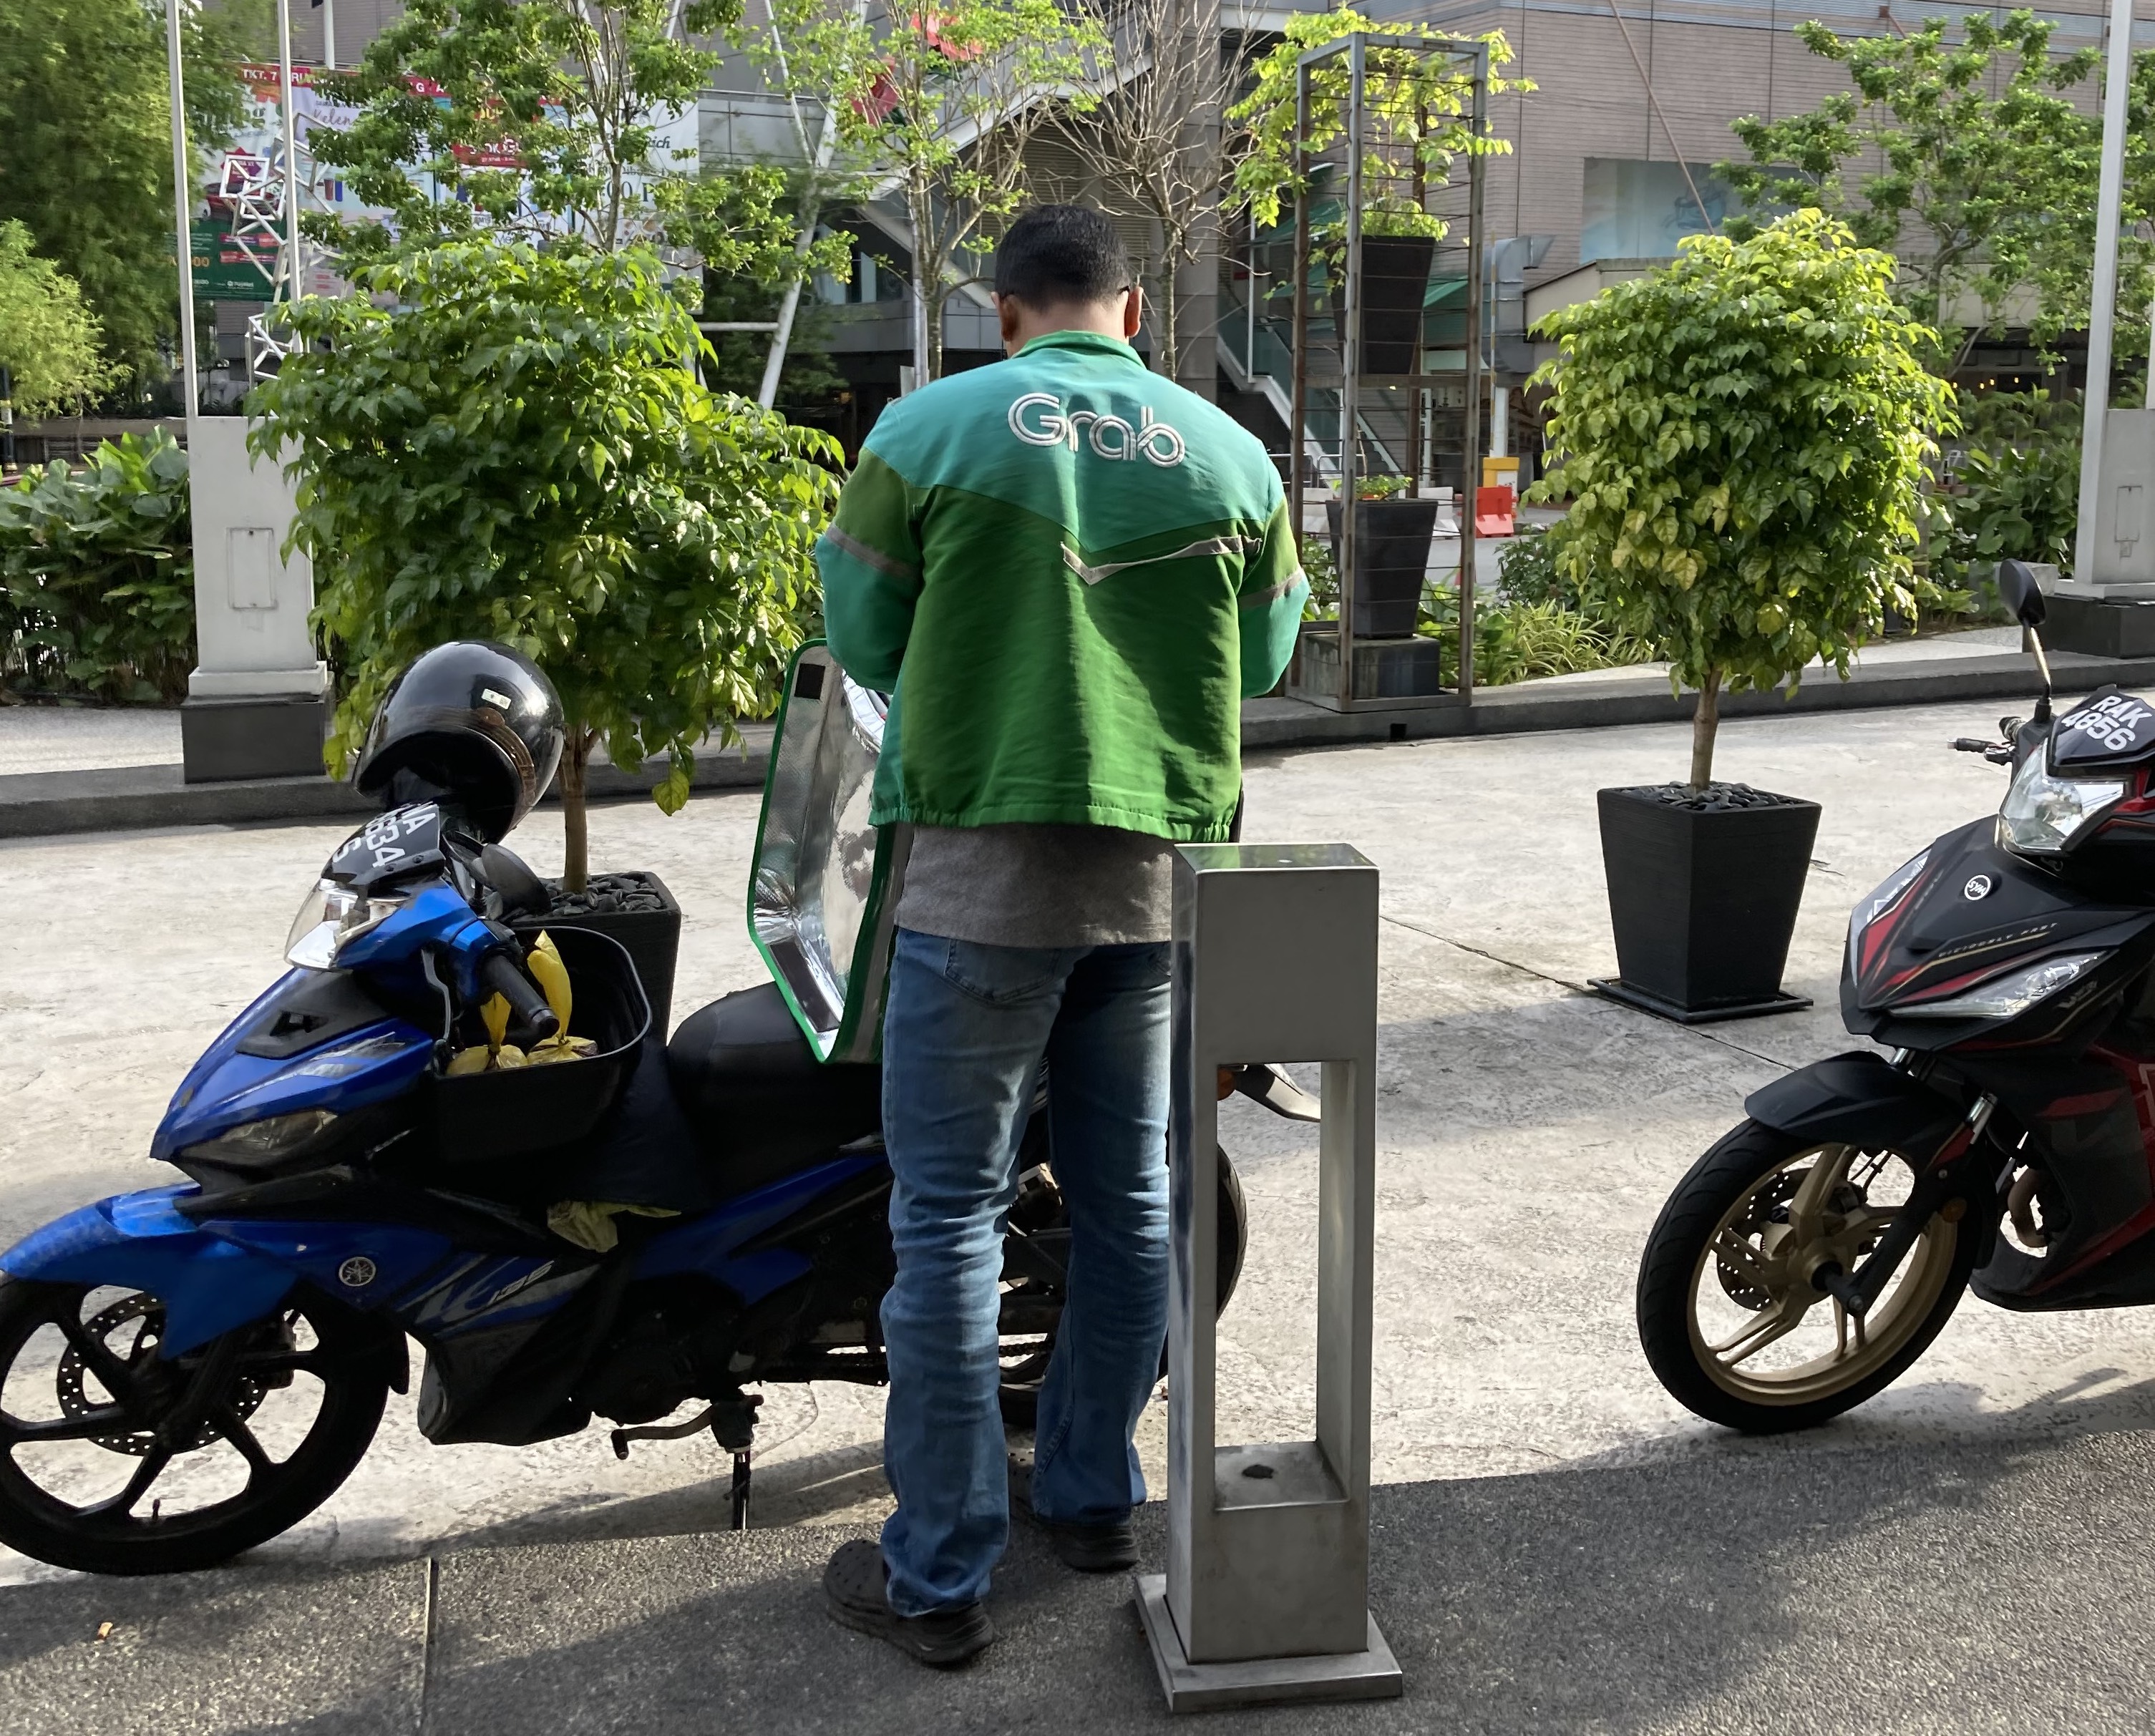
pixel 1167 358
pixel 927 287
pixel 1704 722
pixel 576 837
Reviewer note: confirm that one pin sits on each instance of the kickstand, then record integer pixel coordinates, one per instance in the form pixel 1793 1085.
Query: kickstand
pixel 741 1474
pixel 733 1427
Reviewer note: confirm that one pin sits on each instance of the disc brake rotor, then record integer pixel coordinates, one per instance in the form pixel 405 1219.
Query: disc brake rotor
pixel 242 1398
pixel 1767 1206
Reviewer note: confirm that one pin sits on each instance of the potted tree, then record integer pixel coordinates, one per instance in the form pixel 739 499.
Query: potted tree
pixel 494 442
pixel 1744 435
pixel 501 434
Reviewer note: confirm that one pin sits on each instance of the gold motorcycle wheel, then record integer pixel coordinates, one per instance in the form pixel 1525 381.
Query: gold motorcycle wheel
pixel 1729 1312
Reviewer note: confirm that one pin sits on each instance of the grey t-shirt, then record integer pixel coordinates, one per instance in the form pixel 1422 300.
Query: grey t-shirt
pixel 1038 885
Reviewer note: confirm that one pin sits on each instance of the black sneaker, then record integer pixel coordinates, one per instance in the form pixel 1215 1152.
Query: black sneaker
pixel 1092 1548
pixel 854 1587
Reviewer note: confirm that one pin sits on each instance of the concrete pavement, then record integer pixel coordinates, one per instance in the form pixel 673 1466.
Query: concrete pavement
pixel 1528 1135
pixel 1973 1588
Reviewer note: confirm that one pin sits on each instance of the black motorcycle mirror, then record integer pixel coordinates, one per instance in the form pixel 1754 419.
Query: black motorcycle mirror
pixel 2018 590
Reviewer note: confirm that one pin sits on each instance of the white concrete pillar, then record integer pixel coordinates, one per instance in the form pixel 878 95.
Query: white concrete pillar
pixel 257 703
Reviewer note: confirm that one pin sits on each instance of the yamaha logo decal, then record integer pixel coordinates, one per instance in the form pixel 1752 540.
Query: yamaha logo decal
pixel 356 1273
pixel 1979 887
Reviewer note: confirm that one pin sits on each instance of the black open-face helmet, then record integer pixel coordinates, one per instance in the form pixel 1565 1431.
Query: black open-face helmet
pixel 473 723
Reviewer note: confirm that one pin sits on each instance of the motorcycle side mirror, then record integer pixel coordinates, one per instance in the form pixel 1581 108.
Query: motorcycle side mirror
pixel 2018 590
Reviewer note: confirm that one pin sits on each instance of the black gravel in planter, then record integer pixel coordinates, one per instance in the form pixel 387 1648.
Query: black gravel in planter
pixel 1714 799
pixel 634 909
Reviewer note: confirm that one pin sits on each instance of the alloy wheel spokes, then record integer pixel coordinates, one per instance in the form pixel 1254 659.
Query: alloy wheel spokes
pixel 1733 1250
pixel 1761 1330
pixel 228 1423
pixel 1808 1208
pixel 1806 1215
pixel 122 1505
pixel 118 1377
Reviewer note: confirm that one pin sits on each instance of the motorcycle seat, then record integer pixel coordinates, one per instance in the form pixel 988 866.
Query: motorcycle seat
pixel 760 1103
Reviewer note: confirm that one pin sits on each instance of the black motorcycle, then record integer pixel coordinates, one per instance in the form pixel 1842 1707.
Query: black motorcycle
pixel 2003 1138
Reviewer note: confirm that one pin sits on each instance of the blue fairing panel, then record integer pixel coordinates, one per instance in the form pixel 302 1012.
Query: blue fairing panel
pixel 707 1244
pixel 138 1240
pixel 226 1088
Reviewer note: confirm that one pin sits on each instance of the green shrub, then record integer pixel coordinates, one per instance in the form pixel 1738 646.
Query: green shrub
pixel 1519 640
pixel 495 443
pixel 97 582
pixel 2016 493
pixel 1528 572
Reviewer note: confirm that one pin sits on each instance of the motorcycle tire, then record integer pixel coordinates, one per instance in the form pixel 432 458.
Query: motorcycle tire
pixel 1736 1187
pixel 239 1370
pixel 1019 1394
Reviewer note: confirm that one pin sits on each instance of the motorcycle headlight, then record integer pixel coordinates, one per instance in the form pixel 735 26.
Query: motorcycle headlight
pixel 2008 996
pixel 1884 897
pixel 264 1141
pixel 2042 814
pixel 330 916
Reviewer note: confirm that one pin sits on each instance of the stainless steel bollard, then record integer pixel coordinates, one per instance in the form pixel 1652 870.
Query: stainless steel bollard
pixel 1266 1595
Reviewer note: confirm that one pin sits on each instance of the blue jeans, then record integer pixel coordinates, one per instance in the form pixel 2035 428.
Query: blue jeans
pixel 966 1029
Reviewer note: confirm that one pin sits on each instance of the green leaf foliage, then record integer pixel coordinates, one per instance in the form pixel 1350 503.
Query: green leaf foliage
pixel 1420 120
pixel 1958 150
pixel 86 151
pixel 97 583
pixel 49 341
pixel 1519 640
pixel 2015 492
pixel 501 443
pixel 936 102
pixel 1744 434
pixel 538 117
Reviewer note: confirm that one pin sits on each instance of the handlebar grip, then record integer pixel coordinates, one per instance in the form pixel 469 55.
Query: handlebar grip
pixel 1969 744
pixel 500 973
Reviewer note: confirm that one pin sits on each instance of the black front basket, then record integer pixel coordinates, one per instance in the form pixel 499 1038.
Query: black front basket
pixel 487 1115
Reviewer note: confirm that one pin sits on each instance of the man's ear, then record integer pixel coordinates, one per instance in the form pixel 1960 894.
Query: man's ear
pixel 1008 316
pixel 1133 311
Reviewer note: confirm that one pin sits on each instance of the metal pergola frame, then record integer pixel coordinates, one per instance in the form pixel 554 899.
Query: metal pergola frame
pixel 1356 47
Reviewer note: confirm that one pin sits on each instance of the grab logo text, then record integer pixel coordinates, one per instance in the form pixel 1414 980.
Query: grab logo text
pixel 1039 419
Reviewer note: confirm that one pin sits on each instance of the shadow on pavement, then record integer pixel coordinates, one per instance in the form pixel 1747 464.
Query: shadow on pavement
pixel 1929 1588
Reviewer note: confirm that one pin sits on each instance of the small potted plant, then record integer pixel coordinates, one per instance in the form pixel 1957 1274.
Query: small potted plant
pixel 1393 532
pixel 1399 247
pixel 1744 435
pixel 495 443
pixel 1419 118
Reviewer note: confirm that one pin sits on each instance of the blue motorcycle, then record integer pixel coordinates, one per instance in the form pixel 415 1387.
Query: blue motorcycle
pixel 188 1370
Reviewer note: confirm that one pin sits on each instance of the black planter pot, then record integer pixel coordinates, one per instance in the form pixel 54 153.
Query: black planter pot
pixel 636 910
pixel 1394 297
pixel 1703 900
pixel 1391 562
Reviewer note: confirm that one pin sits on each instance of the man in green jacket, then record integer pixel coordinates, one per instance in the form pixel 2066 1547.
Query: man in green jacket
pixel 1068 572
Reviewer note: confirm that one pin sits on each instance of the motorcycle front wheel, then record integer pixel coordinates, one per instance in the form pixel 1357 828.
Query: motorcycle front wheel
pixel 114 1459
pixel 1728 1315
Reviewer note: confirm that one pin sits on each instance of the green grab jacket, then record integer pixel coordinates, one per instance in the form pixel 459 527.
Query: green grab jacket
pixel 1068 572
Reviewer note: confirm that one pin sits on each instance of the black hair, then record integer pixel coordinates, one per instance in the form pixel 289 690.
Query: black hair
pixel 1056 254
